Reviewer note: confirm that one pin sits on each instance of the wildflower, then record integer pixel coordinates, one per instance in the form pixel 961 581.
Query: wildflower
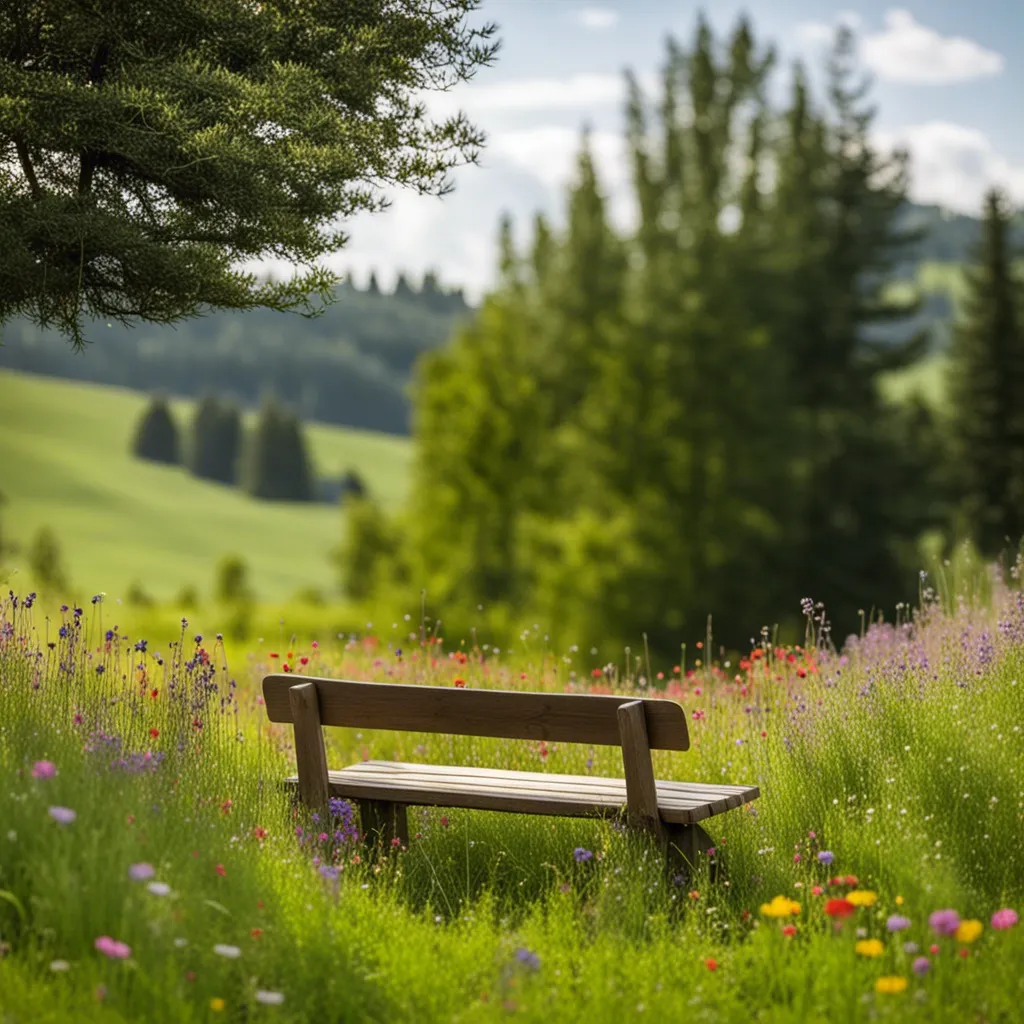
pixel 968 931
pixel 694 894
pixel 459 682
pixel 944 922
pixel 269 998
pixel 59 966
pixel 825 857
pixel 711 964
pixel 260 833
pixel 921 966
pixel 1003 919
pixel 231 952
pixel 934 948
pixel 63 815
pixel 217 1004
pixel 180 943
pixel 140 872
pixel 817 890
pixel 869 947
pixel 44 770
pixel 256 933
pixel 963 953
pixel 891 984
pixel 154 733
pixel 221 870
pixel 780 906
pixel 910 947
pixel 789 931
pixel 862 897
pixel 159 888
pixel 839 908
pixel 899 901
pixel 444 821
pixel 581 855
pixel 528 959
pixel 112 948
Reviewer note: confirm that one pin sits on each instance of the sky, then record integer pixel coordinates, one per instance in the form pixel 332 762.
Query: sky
pixel 948 82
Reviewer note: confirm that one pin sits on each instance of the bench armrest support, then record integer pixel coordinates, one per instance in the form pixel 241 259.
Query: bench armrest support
pixel 310 754
pixel 641 793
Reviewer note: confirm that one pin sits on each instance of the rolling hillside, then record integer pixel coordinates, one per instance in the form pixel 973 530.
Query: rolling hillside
pixel 65 462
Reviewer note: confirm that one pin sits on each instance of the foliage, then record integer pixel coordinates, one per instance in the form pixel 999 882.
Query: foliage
pixel 46 561
pixel 986 381
pixel 635 425
pixel 156 436
pixel 368 549
pixel 231 582
pixel 277 465
pixel 216 441
pixel 157 153
pixel 185 848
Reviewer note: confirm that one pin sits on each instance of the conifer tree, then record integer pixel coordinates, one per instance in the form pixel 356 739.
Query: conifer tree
pixel 152 151
pixel 204 457
pixel 277 466
pixel 986 387
pixel 156 436
pixel 46 561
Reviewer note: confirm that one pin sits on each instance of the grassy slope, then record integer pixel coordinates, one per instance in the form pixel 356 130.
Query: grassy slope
pixel 64 461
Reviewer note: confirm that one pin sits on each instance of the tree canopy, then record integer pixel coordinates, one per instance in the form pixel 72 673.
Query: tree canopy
pixel 150 152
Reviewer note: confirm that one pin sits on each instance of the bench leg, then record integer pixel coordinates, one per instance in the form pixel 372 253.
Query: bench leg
pixel 382 821
pixel 687 848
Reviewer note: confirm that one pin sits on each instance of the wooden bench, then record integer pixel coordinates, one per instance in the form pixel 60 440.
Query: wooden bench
pixel 383 789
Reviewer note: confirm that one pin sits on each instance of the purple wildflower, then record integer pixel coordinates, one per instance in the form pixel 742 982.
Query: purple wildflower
pixel 826 857
pixel 140 872
pixel 921 965
pixel 897 923
pixel 527 958
pixel 582 854
pixel 63 815
pixel 944 922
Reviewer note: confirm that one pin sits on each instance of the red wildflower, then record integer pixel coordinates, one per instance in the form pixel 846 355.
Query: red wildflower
pixel 789 931
pixel 221 870
pixel 273 654
pixel 460 682
pixel 256 933
pixel 303 660
pixel 694 894
pixel 286 667
pixel 711 964
pixel 154 693
pixel 154 733
pixel 260 833
pixel 225 807
pixel 839 908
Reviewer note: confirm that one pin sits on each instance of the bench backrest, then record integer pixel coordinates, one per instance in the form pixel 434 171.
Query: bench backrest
pixel 503 714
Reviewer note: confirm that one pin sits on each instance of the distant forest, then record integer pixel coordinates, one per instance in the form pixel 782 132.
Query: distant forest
pixel 351 366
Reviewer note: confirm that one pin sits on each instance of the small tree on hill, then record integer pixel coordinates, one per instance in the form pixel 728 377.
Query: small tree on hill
pixel 986 384
pixel 156 436
pixel 231 584
pixel 45 561
pixel 277 464
pixel 229 444
pixel 203 455
pixel 370 542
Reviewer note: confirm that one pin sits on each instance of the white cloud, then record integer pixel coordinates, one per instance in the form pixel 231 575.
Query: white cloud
pixel 597 19
pixel 910 53
pixel 953 165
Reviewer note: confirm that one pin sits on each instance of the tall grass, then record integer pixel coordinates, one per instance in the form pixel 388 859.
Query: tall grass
pixel 899 761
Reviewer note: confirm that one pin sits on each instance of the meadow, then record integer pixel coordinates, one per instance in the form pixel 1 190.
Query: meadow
pixel 152 869
pixel 65 453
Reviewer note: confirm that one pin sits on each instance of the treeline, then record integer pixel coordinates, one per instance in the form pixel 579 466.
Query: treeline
pixel 349 366
pixel 641 431
pixel 271 463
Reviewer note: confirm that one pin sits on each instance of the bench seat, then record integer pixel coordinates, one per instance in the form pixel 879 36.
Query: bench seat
pixel 490 789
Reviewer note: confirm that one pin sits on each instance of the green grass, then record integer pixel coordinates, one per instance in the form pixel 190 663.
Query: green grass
pixel 903 760
pixel 65 462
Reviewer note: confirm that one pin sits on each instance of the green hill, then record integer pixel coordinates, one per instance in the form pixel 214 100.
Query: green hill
pixel 65 462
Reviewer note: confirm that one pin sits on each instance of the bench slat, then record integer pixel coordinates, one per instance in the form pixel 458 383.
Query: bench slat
pixel 493 789
pixel 502 714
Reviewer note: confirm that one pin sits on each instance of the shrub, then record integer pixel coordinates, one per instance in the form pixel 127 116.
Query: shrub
pixel 46 562
pixel 231 584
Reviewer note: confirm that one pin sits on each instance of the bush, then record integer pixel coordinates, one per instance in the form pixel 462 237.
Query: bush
pixel 156 437
pixel 370 543
pixel 137 597
pixel 231 584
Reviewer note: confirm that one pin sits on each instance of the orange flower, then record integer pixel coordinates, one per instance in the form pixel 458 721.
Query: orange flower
pixel 460 682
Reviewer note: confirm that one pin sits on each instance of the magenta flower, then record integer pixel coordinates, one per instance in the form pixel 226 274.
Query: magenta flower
pixel 897 923
pixel 944 922
pixel 112 948
pixel 922 965
pixel 1003 919
pixel 63 815
pixel 140 872
pixel 44 770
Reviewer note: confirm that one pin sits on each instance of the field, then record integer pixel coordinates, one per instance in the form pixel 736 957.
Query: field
pixel 65 462
pixel 152 870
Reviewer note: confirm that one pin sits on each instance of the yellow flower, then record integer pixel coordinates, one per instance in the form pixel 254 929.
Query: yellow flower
pixel 899 901
pixel 891 985
pixel 870 947
pixel 217 1004
pixel 968 931
pixel 862 897
pixel 781 906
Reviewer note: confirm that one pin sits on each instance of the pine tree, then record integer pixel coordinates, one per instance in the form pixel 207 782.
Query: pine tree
pixel 136 187
pixel 263 454
pixel 204 457
pixel 46 562
pixel 986 388
pixel 156 436
pixel 229 444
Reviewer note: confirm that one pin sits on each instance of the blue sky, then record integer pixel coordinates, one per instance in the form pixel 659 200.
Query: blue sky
pixel 949 84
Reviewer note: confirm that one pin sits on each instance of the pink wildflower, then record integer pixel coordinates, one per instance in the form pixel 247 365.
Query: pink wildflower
pixel 44 770
pixel 112 948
